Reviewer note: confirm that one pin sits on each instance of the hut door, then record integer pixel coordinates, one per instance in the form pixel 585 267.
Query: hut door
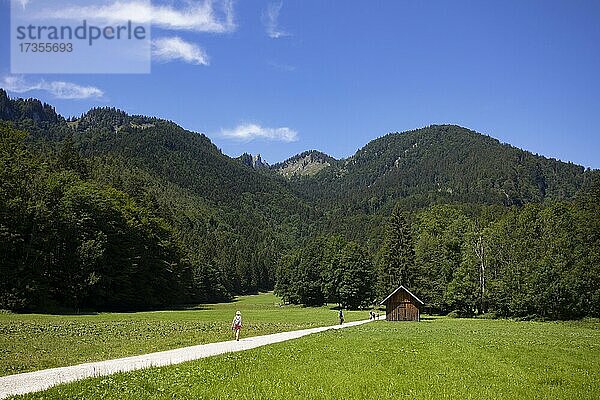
pixel 401 312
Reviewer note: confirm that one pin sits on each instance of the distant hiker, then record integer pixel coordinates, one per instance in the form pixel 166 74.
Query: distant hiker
pixel 236 325
pixel 371 315
pixel 377 315
pixel 341 315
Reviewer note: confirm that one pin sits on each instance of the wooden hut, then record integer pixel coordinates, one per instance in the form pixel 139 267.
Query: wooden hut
pixel 402 305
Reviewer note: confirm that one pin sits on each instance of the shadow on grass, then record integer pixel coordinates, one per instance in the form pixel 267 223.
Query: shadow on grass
pixel 195 307
pixel 73 312
pixel 52 309
pixel 65 312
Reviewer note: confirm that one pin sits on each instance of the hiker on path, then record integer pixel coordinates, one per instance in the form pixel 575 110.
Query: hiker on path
pixel 236 325
pixel 341 315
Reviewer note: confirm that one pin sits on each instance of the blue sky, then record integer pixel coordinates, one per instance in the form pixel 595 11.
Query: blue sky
pixel 281 77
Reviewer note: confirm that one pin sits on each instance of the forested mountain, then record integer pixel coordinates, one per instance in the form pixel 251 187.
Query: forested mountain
pixel 113 211
pixel 229 222
pixel 440 164
pixel 469 224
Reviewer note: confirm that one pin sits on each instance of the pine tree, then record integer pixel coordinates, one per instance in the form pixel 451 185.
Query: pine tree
pixel 397 258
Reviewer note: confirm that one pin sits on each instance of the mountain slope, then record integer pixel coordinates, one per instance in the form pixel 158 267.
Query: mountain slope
pixel 186 158
pixel 232 220
pixel 440 163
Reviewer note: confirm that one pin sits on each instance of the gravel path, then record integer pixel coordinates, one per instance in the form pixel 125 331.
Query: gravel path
pixel 39 380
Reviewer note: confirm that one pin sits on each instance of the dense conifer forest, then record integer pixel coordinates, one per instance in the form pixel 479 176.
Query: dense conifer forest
pixel 112 211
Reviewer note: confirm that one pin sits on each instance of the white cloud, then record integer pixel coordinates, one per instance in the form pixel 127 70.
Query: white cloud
pixel 208 16
pixel 23 3
pixel 198 16
pixel 175 48
pixel 59 89
pixel 248 132
pixel 270 19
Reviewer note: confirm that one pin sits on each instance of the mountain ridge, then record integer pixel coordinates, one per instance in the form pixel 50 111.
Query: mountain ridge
pixel 453 161
pixel 40 111
pixel 430 164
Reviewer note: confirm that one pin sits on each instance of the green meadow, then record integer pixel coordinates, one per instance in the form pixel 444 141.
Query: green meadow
pixel 437 358
pixel 31 342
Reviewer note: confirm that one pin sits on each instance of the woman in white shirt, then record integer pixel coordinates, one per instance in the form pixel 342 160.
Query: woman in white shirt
pixel 236 325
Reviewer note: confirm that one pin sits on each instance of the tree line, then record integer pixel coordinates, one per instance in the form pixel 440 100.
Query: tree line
pixel 328 269
pixel 531 261
pixel 67 241
pixel 94 233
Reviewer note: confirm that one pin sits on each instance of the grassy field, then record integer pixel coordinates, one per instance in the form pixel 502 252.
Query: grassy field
pixel 31 342
pixel 438 358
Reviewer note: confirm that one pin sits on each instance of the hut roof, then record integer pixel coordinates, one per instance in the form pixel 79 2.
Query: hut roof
pixel 396 291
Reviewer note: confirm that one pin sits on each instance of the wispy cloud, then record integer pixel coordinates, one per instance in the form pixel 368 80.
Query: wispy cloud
pixel 248 132
pixel 23 3
pixel 282 67
pixel 59 89
pixel 270 19
pixel 176 49
pixel 197 16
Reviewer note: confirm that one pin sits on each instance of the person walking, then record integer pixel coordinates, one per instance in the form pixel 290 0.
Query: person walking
pixel 236 325
pixel 341 315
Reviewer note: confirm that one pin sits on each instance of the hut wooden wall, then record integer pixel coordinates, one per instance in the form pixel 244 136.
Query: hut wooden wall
pixel 401 307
